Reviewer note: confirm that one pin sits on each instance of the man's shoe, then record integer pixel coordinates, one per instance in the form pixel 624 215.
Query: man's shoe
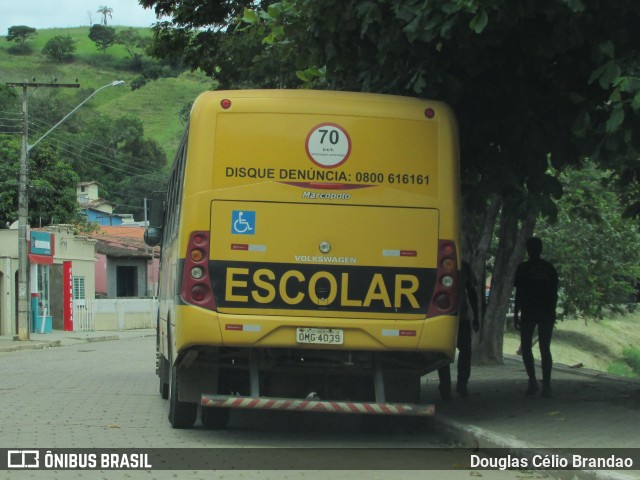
pixel 546 391
pixel 461 388
pixel 532 388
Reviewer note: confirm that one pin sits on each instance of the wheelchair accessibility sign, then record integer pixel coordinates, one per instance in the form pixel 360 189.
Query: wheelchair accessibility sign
pixel 243 222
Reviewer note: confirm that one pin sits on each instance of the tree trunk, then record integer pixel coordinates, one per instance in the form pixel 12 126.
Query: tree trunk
pixel 512 237
pixel 477 234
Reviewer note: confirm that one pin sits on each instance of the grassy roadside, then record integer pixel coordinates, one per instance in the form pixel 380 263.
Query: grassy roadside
pixel 610 345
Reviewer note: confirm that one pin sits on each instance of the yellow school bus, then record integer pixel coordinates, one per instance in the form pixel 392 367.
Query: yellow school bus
pixel 310 254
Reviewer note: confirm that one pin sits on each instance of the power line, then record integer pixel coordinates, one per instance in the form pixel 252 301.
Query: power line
pixel 88 151
pixel 10 123
pixel 98 156
pixel 69 137
pixel 130 207
pixel 110 166
pixel 9 129
pixel 91 145
pixel 121 194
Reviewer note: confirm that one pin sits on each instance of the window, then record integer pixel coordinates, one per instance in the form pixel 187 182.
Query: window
pixel 78 291
pixel 174 193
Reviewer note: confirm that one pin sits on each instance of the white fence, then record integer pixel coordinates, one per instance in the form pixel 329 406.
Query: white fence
pixel 115 314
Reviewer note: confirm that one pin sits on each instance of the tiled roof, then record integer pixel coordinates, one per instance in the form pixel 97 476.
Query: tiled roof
pixel 123 242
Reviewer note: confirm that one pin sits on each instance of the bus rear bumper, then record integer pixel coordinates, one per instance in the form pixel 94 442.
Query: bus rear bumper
pixel 317 406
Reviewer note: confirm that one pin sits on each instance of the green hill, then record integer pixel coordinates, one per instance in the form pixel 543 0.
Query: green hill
pixel 157 103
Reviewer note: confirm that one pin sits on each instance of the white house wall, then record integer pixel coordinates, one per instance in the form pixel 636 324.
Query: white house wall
pixel 77 249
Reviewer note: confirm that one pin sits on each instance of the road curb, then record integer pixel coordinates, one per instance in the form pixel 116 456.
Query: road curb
pixel 473 437
pixel 19 346
pixel 106 338
pixel 585 372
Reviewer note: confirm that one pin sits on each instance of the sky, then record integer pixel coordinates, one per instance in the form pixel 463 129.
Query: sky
pixel 41 14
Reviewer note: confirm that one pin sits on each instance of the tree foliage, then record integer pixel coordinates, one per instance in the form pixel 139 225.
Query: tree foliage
pixel 9 99
pixel 197 33
pixel 149 68
pixel 132 41
pixel 520 75
pixel 88 146
pixel 9 174
pixel 52 190
pixel 20 34
pixel 596 252
pixel 102 36
pixel 114 152
pixel 59 48
pixel 534 84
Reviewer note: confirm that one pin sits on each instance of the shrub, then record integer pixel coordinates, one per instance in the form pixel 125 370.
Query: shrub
pixel 632 357
pixel 620 369
pixel 59 48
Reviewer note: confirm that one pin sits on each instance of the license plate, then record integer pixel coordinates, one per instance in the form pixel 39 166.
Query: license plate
pixel 321 336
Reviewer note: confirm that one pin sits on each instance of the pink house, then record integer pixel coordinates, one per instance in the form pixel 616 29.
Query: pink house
pixel 125 265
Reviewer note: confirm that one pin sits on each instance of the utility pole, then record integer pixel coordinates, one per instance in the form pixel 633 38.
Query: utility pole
pixel 23 206
pixel 23 194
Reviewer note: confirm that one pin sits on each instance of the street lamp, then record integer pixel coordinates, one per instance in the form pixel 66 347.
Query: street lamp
pixel 112 84
pixel 23 199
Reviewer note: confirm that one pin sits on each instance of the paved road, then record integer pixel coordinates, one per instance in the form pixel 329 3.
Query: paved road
pixel 105 395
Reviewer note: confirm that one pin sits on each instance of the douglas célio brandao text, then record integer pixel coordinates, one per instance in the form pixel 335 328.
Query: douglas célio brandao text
pixel 556 462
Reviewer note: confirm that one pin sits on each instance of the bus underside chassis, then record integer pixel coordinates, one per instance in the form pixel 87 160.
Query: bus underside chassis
pixel 340 376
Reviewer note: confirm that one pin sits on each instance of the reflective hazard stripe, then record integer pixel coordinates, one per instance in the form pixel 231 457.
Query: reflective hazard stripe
pixel 399 253
pixel 398 333
pixel 242 328
pixel 291 404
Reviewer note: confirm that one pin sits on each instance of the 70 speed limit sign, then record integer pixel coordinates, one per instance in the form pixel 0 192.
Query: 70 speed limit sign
pixel 328 145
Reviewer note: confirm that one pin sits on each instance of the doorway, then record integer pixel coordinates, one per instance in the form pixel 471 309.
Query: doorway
pixel 127 281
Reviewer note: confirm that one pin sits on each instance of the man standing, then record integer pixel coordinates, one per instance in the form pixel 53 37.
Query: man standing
pixel 468 299
pixel 536 285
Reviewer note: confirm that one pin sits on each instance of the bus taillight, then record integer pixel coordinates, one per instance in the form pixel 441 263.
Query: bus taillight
pixel 196 284
pixel 445 294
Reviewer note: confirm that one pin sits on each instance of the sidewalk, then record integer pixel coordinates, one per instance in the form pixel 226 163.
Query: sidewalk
pixel 588 409
pixel 59 338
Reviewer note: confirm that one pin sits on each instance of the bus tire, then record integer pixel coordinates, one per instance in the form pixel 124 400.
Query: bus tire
pixel 163 364
pixel 181 414
pixel 163 373
pixel 215 418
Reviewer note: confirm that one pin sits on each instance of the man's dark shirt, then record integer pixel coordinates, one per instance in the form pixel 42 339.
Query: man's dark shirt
pixel 536 285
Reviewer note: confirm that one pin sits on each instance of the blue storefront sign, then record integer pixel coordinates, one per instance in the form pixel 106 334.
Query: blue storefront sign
pixel 42 243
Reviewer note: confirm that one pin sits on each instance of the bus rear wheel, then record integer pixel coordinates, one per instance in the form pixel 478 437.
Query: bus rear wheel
pixel 181 414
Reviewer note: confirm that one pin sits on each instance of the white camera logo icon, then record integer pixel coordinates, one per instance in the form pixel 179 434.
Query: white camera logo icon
pixel 23 459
